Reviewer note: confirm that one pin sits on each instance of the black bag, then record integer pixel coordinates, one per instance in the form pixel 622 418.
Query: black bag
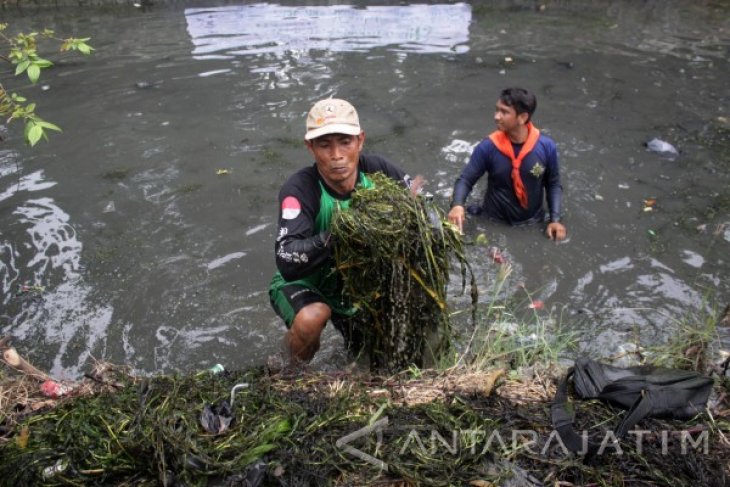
pixel 645 391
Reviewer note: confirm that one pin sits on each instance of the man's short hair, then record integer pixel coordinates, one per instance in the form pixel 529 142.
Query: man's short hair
pixel 520 99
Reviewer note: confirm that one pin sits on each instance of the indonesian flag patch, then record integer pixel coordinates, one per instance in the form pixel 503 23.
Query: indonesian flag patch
pixel 290 208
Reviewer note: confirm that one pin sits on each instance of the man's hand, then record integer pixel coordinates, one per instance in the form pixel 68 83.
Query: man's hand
pixel 556 231
pixel 456 216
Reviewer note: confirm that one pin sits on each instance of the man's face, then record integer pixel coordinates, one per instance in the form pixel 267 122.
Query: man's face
pixel 506 117
pixel 336 156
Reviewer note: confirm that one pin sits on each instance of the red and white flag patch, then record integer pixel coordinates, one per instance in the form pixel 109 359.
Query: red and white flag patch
pixel 290 208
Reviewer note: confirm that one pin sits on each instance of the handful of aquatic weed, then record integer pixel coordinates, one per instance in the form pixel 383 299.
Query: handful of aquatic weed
pixel 393 251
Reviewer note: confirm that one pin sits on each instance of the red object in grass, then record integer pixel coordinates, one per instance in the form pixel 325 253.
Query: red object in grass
pixel 53 389
pixel 537 304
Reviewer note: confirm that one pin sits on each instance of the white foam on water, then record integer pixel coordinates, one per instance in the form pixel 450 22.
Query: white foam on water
pixel 221 261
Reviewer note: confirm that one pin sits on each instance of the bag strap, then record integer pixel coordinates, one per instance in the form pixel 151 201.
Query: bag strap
pixel 563 420
pixel 639 410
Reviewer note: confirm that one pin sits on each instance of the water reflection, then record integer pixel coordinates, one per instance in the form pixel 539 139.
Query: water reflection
pixel 226 32
pixel 150 258
pixel 41 278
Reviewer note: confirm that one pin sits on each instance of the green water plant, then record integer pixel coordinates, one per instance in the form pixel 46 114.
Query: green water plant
pixel 394 253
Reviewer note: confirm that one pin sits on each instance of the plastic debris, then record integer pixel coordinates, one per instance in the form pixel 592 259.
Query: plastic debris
pixel 222 172
pixel 536 304
pixel 216 418
pixel 496 255
pixel 661 147
pixel 242 385
pixel 54 390
pixel 57 468
pixel 30 289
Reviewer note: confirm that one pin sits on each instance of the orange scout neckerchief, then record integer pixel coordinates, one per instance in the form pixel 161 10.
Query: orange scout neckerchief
pixel 504 145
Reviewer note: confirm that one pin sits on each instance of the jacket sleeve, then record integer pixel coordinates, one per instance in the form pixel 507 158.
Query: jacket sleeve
pixel 470 175
pixel 299 250
pixel 553 188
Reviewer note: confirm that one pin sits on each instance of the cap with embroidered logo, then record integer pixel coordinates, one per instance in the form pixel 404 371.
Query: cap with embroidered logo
pixel 332 116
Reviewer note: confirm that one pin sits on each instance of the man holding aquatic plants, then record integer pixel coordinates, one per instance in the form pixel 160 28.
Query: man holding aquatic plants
pixel 521 166
pixel 306 291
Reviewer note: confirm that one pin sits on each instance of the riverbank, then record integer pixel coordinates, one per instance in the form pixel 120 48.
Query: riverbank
pixel 467 425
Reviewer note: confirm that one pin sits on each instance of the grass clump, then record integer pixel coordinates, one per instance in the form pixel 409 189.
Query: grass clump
pixel 513 333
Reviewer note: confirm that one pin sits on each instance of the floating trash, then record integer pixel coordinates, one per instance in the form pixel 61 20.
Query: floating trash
pixel 496 256
pixel 661 147
pixel 649 204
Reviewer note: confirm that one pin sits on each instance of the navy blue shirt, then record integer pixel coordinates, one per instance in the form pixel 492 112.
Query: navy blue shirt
pixel 540 174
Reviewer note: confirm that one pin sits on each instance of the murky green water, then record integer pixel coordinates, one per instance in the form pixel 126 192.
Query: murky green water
pixel 151 258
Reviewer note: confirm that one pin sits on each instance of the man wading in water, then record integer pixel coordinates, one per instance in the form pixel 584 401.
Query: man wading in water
pixel 306 291
pixel 521 166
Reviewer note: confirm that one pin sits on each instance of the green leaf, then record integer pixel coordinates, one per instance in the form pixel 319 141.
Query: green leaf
pixel 85 48
pixel 49 125
pixel 35 134
pixel 22 66
pixel 28 125
pixel 43 63
pixel 30 108
pixel 34 72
